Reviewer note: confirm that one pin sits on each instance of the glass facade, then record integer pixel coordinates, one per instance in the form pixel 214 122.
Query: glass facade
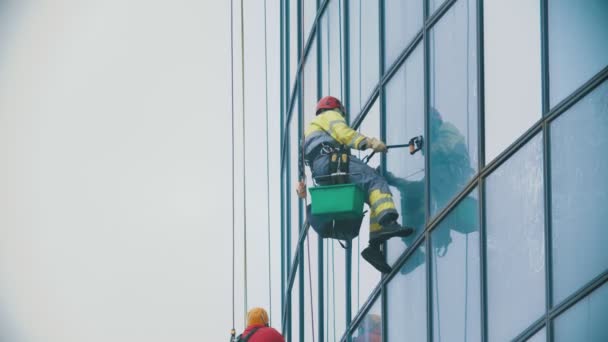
pixel 507 196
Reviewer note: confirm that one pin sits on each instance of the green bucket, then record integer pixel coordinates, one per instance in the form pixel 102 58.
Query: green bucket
pixel 342 201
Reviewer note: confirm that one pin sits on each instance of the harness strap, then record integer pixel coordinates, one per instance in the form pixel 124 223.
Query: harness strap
pixel 242 338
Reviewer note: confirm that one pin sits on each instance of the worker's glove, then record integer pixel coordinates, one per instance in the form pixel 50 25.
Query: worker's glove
pixel 377 145
pixel 301 189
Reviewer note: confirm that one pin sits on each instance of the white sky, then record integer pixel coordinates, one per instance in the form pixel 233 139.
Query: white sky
pixel 115 183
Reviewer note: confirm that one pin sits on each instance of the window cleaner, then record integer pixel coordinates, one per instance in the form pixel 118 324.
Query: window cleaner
pixel 258 329
pixel 326 150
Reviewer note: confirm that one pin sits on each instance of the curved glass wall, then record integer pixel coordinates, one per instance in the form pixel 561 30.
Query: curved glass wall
pixel 507 192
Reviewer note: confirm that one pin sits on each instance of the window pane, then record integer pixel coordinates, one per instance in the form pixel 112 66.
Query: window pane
pixel 578 32
pixel 403 19
pixel 405 173
pixel 364 52
pixel 331 47
pixel 335 281
pixel 579 193
pixel 309 84
pixel 308 17
pixel 370 327
pixel 294 146
pixel 456 295
pixel 540 336
pixel 365 276
pixel 434 5
pixel 512 71
pixel 295 311
pixel 293 42
pixel 515 243
pixel 407 301
pixel 453 112
pixel 312 239
pixel 586 320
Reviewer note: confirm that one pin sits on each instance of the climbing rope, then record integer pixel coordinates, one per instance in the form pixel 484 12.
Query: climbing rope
pixel 466 286
pixel 267 168
pixel 436 283
pixel 302 176
pixel 244 161
pixel 326 246
pixel 233 331
pixel 342 90
pixel 312 308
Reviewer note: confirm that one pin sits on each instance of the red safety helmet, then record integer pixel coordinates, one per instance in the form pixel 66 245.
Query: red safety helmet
pixel 329 102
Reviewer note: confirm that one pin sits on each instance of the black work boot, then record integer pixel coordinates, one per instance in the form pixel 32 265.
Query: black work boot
pixel 374 256
pixel 389 230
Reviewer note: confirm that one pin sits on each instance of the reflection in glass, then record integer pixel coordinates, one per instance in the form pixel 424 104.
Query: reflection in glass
pixel 579 141
pixel 511 71
pixel 586 320
pixel 403 19
pixel 578 32
pixel 515 243
pixel 364 52
pixel 407 301
pixel 453 112
pixel 370 327
pixel 405 172
pixel 455 286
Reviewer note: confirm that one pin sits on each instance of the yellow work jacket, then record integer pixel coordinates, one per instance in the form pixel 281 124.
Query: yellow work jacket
pixel 330 127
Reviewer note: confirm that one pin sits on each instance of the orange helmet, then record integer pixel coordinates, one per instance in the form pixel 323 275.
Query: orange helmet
pixel 257 316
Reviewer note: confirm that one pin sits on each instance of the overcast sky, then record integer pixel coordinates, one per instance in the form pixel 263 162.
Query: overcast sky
pixel 115 182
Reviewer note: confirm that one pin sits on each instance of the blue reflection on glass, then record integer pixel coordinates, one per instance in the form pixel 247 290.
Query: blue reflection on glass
pixel 578 32
pixel 364 52
pixel 406 302
pixel 453 113
pixel 403 21
pixel 456 272
pixel 586 320
pixel 370 327
pixel 405 172
pixel 515 243
pixel 579 139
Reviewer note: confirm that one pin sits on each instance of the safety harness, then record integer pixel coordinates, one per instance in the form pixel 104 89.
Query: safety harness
pixel 339 160
pixel 246 338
